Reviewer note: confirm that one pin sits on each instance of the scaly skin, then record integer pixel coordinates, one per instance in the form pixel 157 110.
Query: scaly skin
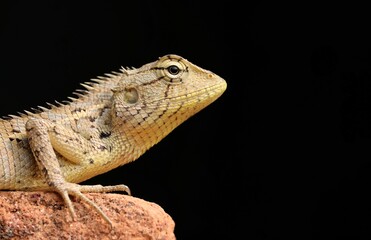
pixel 111 123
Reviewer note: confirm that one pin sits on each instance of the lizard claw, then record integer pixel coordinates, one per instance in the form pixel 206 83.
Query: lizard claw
pixel 68 203
pixel 65 189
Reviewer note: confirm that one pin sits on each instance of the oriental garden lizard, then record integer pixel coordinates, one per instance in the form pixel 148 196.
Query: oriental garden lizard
pixel 111 122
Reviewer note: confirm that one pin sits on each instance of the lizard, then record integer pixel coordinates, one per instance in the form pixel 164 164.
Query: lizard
pixel 115 119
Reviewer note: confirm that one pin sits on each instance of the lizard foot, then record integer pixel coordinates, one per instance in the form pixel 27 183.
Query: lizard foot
pixel 66 189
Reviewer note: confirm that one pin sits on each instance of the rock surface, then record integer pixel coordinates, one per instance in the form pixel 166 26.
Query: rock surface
pixel 39 215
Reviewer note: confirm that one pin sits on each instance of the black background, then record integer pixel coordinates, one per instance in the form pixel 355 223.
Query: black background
pixel 285 152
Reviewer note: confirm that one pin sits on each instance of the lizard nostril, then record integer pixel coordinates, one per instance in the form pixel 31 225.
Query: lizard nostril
pixel 210 75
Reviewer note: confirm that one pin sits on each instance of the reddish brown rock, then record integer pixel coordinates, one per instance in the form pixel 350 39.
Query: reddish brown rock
pixel 39 215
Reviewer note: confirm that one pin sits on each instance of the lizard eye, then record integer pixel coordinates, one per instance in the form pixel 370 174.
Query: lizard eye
pixel 173 69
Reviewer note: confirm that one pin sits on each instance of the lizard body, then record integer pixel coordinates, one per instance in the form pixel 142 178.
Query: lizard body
pixel 113 122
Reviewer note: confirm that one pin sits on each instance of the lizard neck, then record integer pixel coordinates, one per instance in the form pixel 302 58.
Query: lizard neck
pixel 138 136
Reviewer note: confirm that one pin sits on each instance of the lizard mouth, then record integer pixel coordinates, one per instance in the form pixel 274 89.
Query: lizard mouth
pixel 209 93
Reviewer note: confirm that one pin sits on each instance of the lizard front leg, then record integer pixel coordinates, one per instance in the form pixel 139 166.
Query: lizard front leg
pixel 44 137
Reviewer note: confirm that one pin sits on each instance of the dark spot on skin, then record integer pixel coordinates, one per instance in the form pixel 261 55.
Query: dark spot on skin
pixel 91 161
pixel 15 130
pixel 102 111
pixel 92 119
pixel 77 110
pixel 102 147
pixel 36 153
pixel 78 141
pixel 44 171
pixel 15 139
pixel 161 114
pixel 55 130
pixel 85 152
pixel 104 134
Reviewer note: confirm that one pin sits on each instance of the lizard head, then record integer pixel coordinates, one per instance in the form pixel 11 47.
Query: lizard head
pixel 152 100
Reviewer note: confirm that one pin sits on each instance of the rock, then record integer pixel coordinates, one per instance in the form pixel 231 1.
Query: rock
pixel 43 215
